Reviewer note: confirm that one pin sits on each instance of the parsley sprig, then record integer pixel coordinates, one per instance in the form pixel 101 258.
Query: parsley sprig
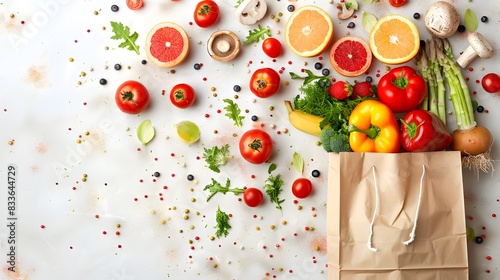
pixel 233 112
pixel 216 157
pixel 257 34
pixel 216 187
pixel 123 32
pixel 274 188
pixel 222 220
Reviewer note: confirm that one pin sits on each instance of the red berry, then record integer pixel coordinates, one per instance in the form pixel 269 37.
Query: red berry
pixel 362 89
pixel 340 90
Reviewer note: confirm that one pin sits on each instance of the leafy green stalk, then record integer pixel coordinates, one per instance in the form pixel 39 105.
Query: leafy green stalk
pixel 222 220
pixel 216 187
pixel 233 112
pixel 273 189
pixel 216 157
pixel 123 33
pixel 257 34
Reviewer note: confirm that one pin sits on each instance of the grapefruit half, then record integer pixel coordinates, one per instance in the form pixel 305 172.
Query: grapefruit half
pixel 350 56
pixel 167 44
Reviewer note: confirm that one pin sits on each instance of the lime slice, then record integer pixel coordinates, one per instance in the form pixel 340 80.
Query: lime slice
pixel 470 233
pixel 188 131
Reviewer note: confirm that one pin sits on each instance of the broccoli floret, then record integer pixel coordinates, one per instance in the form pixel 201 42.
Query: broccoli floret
pixel 334 141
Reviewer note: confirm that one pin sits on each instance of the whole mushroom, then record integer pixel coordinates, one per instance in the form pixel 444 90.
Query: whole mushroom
pixel 478 46
pixel 250 12
pixel 442 19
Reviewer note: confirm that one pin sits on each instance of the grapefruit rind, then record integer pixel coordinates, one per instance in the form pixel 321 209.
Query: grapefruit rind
pixel 180 56
pixel 320 17
pixel 354 57
pixel 412 47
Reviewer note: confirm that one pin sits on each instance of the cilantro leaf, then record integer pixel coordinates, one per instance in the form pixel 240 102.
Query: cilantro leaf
pixel 123 32
pixel 216 156
pixel 257 34
pixel 274 188
pixel 222 220
pixel 216 187
pixel 233 112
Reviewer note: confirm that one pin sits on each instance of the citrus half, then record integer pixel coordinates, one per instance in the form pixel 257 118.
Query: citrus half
pixel 188 131
pixel 308 31
pixel 350 56
pixel 167 44
pixel 394 39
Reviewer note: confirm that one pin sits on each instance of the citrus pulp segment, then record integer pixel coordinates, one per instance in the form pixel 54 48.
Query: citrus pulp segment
pixel 394 39
pixel 188 131
pixel 167 44
pixel 308 31
pixel 350 56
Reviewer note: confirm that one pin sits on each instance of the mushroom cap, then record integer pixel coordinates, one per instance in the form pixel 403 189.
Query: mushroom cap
pixel 480 45
pixel 223 45
pixel 250 12
pixel 442 19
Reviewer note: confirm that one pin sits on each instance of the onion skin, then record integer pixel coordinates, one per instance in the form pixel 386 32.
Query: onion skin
pixel 473 141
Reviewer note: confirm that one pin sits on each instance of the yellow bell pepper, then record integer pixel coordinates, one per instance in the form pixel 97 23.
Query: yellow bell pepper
pixel 373 128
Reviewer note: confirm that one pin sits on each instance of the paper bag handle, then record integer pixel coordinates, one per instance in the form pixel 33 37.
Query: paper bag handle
pixel 375 212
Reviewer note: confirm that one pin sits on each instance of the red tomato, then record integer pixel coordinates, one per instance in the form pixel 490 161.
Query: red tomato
pixel 182 95
pixel 256 146
pixel 134 4
pixel 272 47
pixel 397 3
pixel 265 82
pixel 491 83
pixel 132 97
pixel 302 188
pixel 206 13
pixel 253 197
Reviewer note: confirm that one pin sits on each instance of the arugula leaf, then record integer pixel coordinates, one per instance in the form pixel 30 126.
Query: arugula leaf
pixel 216 187
pixel 298 162
pixel 123 32
pixel 233 112
pixel 222 220
pixel 273 189
pixel 257 34
pixel 309 78
pixel 145 132
pixel 216 156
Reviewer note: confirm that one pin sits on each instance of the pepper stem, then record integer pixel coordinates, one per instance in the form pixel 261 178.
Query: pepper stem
pixel 411 128
pixel 371 132
pixel 401 81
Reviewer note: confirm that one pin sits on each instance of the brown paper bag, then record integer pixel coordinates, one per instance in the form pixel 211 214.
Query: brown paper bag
pixel 396 216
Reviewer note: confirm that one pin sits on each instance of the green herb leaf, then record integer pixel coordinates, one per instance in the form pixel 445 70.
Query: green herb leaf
pixel 223 226
pixel 238 3
pixel 368 21
pixel 470 20
pixel 216 157
pixel 216 187
pixel 309 78
pixel 271 168
pixel 352 4
pixel 370 1
pixel 298 162
pixel 257 34
pixel 123 33
pixel 233 112
pixel 145 132
pixel 273 189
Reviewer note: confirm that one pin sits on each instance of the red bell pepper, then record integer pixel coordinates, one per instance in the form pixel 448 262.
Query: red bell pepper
pixel 423 131
pixel 402 89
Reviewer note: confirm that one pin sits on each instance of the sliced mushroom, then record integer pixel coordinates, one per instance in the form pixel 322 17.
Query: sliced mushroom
pixel 478 46
pixel 223 45
pixel 442 19
pixel 345 13
pixel 251 11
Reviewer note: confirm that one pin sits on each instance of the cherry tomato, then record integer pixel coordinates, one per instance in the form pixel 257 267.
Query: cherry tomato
pixel 272 47
pixel 397 3
pixel 134 4
pixel 253 197
pixel 206 13
pixel 182 95
pixel 256 146
pixel 132 97
pixel 491 83
pixel 265 82
pixel 302 187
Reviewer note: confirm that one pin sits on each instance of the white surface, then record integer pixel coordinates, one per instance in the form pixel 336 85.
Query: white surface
pixel 42 110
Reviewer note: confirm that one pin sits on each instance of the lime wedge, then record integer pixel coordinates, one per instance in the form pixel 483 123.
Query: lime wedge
pixel 188 131
pixel 470 233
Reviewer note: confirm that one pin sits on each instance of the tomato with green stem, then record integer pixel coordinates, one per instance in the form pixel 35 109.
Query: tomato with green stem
pixel 272 47
pixel 132 97
pixel 182 96
pixel 206 13
pixel 253 197
pixel 134 4
pixel 256 146
pixel 265 82
pixel 302 187
pixel 491 83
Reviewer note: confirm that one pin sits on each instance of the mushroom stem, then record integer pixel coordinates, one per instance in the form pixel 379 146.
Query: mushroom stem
pixel 466 57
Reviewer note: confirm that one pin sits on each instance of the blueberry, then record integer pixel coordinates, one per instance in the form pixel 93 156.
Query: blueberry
pixel 236 88
pixel 290 8
pixel 351 25
pixel 190 177
pixel 315 173
pixel 484 19
pixel 197 66
pixel 114 8
pixel 461 28
pixel 255 118
pixel 318 65
pixel 422 43
pixel 103 81
pixel 480 109
pixel 369 79
pixel 118 67
pixel 416 15
pixel 144 62
pixel 325 72
pixel 156 174
pixel 479 240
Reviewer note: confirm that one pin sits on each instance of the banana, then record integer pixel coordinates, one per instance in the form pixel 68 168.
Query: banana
pixel 303 121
